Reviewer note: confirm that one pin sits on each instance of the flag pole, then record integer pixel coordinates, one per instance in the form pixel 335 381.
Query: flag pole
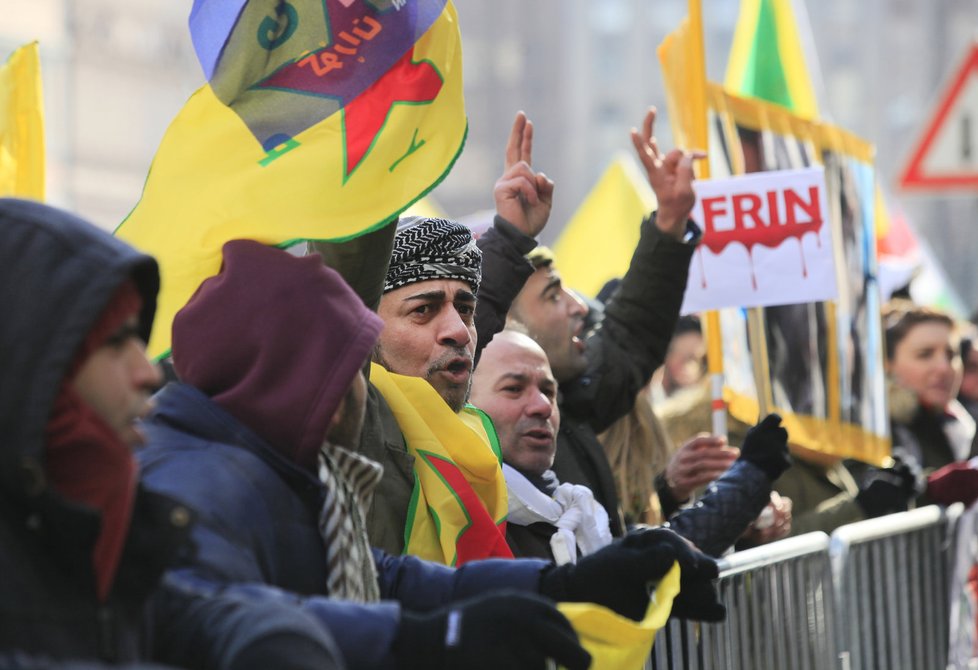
pixel 699 139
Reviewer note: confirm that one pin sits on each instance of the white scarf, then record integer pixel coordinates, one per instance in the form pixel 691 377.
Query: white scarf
pixel 581 522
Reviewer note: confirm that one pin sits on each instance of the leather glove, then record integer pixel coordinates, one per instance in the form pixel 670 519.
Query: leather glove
pixel 504 630
pixel 766 446
pixel 621 575
pixel 888 490
pixel 956 482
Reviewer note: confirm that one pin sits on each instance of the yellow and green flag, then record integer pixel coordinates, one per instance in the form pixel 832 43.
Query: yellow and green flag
pixel 767 60
pixel 321 119
pixel 458 509
pixel 22 125
pixel 605 227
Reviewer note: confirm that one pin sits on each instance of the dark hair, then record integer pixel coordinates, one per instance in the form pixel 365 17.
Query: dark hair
pixel 689 323
pixel 900 316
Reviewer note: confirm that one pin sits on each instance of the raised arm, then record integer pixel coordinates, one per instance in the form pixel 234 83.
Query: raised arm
pixel 670 175
pixel 523 197
pixel 640 317
pixel 523 201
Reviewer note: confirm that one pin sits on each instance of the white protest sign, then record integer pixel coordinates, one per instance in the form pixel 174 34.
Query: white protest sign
pixel 766 241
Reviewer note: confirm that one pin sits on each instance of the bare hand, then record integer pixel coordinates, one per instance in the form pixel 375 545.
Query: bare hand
pixel 671 177
pixel 771 525
pixel 697 463
pixel 523 197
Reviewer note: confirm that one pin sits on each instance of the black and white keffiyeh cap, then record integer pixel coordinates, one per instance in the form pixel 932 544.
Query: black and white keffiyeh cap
pixel 427 248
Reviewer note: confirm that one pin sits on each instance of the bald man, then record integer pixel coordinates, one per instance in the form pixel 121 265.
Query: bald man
pixel 515 386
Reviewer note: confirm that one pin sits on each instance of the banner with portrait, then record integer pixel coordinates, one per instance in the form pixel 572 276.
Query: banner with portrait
pixel 823 369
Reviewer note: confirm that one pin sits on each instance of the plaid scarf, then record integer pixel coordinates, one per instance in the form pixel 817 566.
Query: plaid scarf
pixel 349 479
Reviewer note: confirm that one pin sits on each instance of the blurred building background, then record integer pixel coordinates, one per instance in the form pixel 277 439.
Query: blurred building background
pixel 117 71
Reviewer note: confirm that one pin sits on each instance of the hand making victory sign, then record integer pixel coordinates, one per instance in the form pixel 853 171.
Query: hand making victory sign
pixel 670 175
pixel 523 197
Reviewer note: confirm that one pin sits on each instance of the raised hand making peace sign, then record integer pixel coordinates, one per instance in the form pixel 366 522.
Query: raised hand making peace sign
pixel 670 175
pixel 523 197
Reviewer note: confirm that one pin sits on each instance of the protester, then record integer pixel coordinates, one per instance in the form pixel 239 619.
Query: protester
pixel 654 479
pixel 601 372
pixel 638 451
pixel 929 426
pixel 426 298
pixel 514 385
pixel 83 545
pixel 685 362
pixel 260 448
pixel 968 391
pixel 825 495
pixel 954 483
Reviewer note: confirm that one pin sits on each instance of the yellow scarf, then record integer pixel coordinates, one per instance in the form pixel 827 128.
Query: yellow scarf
pixel 616 642
pixel 458 509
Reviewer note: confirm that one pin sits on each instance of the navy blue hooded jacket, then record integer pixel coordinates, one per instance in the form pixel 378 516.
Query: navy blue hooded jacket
pixel 57 274
pixel 270 345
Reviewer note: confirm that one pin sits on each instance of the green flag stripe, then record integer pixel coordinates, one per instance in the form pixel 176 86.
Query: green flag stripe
pixel 764 75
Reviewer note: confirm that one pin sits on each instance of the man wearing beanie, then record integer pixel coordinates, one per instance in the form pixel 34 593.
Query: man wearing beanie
pixel 82 545
pixel 255 438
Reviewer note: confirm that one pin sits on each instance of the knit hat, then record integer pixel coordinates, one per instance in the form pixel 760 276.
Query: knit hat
pixel 275 340
pixel 426 248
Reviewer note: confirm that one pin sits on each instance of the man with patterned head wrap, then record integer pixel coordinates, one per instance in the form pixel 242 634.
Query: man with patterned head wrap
pixel 442 495
pixel 428 305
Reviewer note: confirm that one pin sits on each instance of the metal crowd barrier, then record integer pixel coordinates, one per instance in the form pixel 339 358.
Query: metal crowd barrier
pixel 873 596
pixel 779 600
pixel 892 590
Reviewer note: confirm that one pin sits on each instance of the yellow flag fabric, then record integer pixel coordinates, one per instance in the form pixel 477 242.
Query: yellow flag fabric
pixel 766 59
pixel 351 171
pixel 683 61
pixel 22 125
pixel 458 510
pixel 618 643
pixel 598 241
pixel 682 55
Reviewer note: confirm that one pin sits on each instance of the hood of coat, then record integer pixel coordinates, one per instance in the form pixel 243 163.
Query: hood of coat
pixel 57 274
pixel 275 340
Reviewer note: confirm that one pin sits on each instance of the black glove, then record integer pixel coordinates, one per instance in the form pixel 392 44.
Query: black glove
pixel 620 576
pixel 766 446
pixel 889 490
pixel 507 630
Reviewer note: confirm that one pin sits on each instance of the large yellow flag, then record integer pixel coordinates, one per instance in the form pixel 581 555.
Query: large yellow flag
pixel 322 119
pixel 598 241
pixel 22 125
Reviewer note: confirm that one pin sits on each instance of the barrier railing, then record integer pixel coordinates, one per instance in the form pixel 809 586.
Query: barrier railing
pixel 892 577
pixel 875 595
pixel 771 593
